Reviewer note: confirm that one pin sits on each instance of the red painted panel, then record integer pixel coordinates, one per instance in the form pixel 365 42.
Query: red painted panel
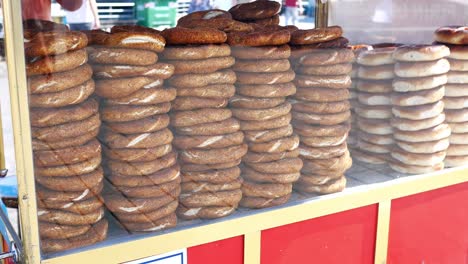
pixel 346 237
pixel 431 227
pixel 227 251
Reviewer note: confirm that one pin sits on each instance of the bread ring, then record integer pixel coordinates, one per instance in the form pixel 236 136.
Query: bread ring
pixel 419 112
pixel 203 65
pixel 457 150
pixel 60 196
pixel 314 179
pixel 265 78
pixel 60 81
pixel 408 158
pixel 458 52
pixel 83 207
pixel 256 157
pixel 198 187
pixel 458 65
pixel 374 111
pixel 372 148
pixel 55 231
pixel 141 168
pixel 123 87
pixel 146 96
pixel 262 53
pixel 312 36
pixel 284 166
pixel 415 125
pixel 222 198
pixel 68 218
pixel 157 70
pixel 336 164
pixel 457 77
pixel 382 72
pixel 205 14
pixel 133 28
pixel 117 203
pixel 196 52
pixel 266 190
pixel 67 130
pixel 418 97
pixel 456 116
pixel 376 139
pixel 421 52
pixel 224 24
pixel 415 169
pixel 34 26
pixel 374 99
pixel 335 82
pixel 191 167
pixel 320 131
pixel 456 90
pixel 211 212
pixel 165 175
pixel 259 202
pixel 321 119
pixel 200 80
pixel 59 63
pixel 262 114
pixel 219 91
pixel 239 101
pixel 422 69
pixel 121 56
pixel 38 145
pixel 424 147
pixel 266 124
pixel 54 43
pixel 73 183
pixel 455 161
pixel 322 152
pixel 193 103
pixel 68 155
pixel 201 116
pixel 184 36
pixel 262 66
pixel 146 125
pixel 336 69
pixel 148 217
pixel 269 21
pixel 367 157
pixel 375 57
pixel 261 136
pixel 375 86
pixel 212 176
pixel 124 113
pixel 434 133
pixel 209 142
pixel 135 40
pixel 267 90
pixel 323 141
pixel 227 126
pixel 145 140
pixel 71 96
pixel 323 95
pixel 321 108
pixel 457 35
pixel 255 10
pixel 252 175
pixel 327 57
pixel 455 102
pixel 259 38
pixel 333 186
pixel 461 127
pixel 276 146
pixel 375 126
pixel 417 84
pixel 70 169
pixel 97 233
pixel 151 226
pixel 213 156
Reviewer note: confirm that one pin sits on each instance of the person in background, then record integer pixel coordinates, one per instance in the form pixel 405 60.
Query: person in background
pixel 199 5
pixel 291 11
pixel 40 9
pixel 85 18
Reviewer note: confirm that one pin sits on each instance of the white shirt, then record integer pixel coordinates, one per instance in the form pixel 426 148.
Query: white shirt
pixel 83 15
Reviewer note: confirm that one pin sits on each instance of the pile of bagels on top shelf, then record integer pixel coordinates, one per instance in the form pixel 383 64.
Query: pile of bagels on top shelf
pixel 227 110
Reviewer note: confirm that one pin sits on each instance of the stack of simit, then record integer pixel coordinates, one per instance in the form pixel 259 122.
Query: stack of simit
pixel 321 108
pixel 65 123
pixel 209 140
pixel 141 167
pixel 456 93
pixel 264 80
pixel 374 108
pixel 420 131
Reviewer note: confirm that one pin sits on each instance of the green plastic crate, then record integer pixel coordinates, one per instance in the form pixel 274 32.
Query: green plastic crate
pixel 156 13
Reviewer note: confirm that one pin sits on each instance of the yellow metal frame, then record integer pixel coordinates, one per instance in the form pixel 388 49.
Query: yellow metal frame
pixel 249 226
